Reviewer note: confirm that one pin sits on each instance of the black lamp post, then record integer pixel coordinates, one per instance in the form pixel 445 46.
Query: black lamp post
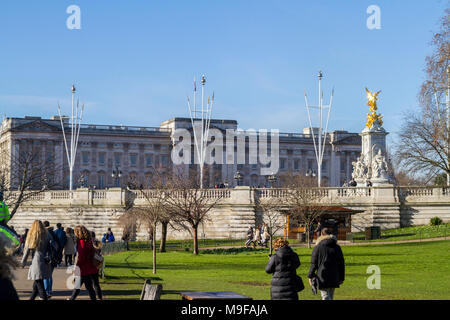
pixel 116 174
pixel 272 179
pixel 238 177
pixel 82 180
pixel 310 173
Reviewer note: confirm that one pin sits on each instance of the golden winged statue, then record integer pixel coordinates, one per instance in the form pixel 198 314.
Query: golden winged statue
pixel 372 103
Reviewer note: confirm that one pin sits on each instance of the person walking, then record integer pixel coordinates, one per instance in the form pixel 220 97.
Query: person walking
pixel 285 283
pixel 7 265
pixel 22 240
pixel 108 236
pixel 265 236
pixel 48 282
pixel 249 236
pixel 327 265
pixel 10 237
pixel 61 236
pixel 86 252
pixel 4 212
pixel 257 239
pixel 38 244
pixel 318 229
pixel 97 264
pixel 69 247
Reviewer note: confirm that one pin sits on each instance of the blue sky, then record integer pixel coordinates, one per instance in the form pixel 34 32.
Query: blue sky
pixel 133 61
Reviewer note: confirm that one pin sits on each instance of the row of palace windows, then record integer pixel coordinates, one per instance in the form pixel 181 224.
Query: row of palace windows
pixel 148 159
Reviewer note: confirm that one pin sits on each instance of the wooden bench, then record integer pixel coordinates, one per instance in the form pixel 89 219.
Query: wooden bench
pixel 151 292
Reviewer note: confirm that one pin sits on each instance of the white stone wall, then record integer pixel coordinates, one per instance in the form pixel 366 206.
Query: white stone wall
pixel 386 206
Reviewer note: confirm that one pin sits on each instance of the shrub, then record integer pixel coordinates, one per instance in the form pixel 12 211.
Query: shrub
pixel 435 221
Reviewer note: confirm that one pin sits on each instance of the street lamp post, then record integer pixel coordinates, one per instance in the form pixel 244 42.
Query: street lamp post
pixel 238 177
pixel 75 126
pixel 117 174
pixel 319 146
pixel 310 173
pixel 82 180
pixel 447 106
pixel 272 179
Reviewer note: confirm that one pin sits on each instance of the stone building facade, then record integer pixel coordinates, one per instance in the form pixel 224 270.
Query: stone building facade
pixel 136 151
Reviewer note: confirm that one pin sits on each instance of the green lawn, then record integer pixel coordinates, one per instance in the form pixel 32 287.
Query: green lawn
pixel 409 233
pixel 408 271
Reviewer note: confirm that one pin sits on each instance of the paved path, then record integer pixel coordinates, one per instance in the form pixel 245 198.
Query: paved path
pixel 60 289
pixel 341 243
pixel 348 243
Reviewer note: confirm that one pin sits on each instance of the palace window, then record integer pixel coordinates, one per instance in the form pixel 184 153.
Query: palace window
pixel 133 160
pixel 101 159
pixel 148 160
pixel 117 158
pixel 85 158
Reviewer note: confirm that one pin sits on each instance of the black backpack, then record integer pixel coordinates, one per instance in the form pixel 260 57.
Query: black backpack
pixel 52 256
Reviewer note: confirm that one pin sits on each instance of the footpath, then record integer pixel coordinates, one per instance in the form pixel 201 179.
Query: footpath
pixel 60 288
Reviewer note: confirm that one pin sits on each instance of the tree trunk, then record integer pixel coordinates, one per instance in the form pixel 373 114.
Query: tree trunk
pixel 271 249
pixel 154 248
pixel 151 236
pixel 162 247
pixel 307 235
pixel 195 234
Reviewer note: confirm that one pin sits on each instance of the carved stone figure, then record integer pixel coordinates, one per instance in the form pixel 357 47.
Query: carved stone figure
pixel 379 166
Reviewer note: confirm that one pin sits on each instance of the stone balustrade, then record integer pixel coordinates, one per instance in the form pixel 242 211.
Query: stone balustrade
pixel 118 196
pixel 236 209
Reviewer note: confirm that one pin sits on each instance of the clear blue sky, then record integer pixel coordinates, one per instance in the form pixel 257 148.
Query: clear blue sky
pixel 133 61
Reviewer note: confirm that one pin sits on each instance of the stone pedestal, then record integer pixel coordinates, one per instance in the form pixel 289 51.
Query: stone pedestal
pixel 372 164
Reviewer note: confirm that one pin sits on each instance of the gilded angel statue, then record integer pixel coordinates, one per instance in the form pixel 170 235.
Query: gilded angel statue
pixel 372 103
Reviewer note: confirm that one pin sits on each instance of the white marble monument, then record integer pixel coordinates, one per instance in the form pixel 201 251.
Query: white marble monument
pixel 372 165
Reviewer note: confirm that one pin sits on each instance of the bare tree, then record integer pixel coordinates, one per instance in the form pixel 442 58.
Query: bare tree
pixel 305 201
pixel 25 175
pixel 274 214
pixel 423 146
pixel 152 212
pixel 188 204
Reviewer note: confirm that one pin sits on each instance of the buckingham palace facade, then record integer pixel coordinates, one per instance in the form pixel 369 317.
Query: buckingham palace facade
pixel 136 151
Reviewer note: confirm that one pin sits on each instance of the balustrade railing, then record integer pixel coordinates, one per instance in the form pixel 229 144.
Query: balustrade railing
pixel 345 194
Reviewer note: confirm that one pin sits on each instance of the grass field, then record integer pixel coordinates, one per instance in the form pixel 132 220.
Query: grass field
pixel 408 271
pixel 408 233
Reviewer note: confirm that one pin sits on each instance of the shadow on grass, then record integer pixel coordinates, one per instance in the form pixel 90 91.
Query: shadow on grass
pixel 121 292
pixel 354 254
pixel 398 235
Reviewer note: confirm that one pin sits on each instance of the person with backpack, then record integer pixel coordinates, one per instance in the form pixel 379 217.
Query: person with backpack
pixel 38 244
pixel 85 263
pixel 55 257
pixel 327 265
pixel 285 283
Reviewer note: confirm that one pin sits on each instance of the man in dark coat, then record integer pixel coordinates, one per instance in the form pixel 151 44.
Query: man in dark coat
pixel 285 282
pixel 328 261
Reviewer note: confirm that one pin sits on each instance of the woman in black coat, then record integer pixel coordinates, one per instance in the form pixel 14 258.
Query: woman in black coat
pixel 285 282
